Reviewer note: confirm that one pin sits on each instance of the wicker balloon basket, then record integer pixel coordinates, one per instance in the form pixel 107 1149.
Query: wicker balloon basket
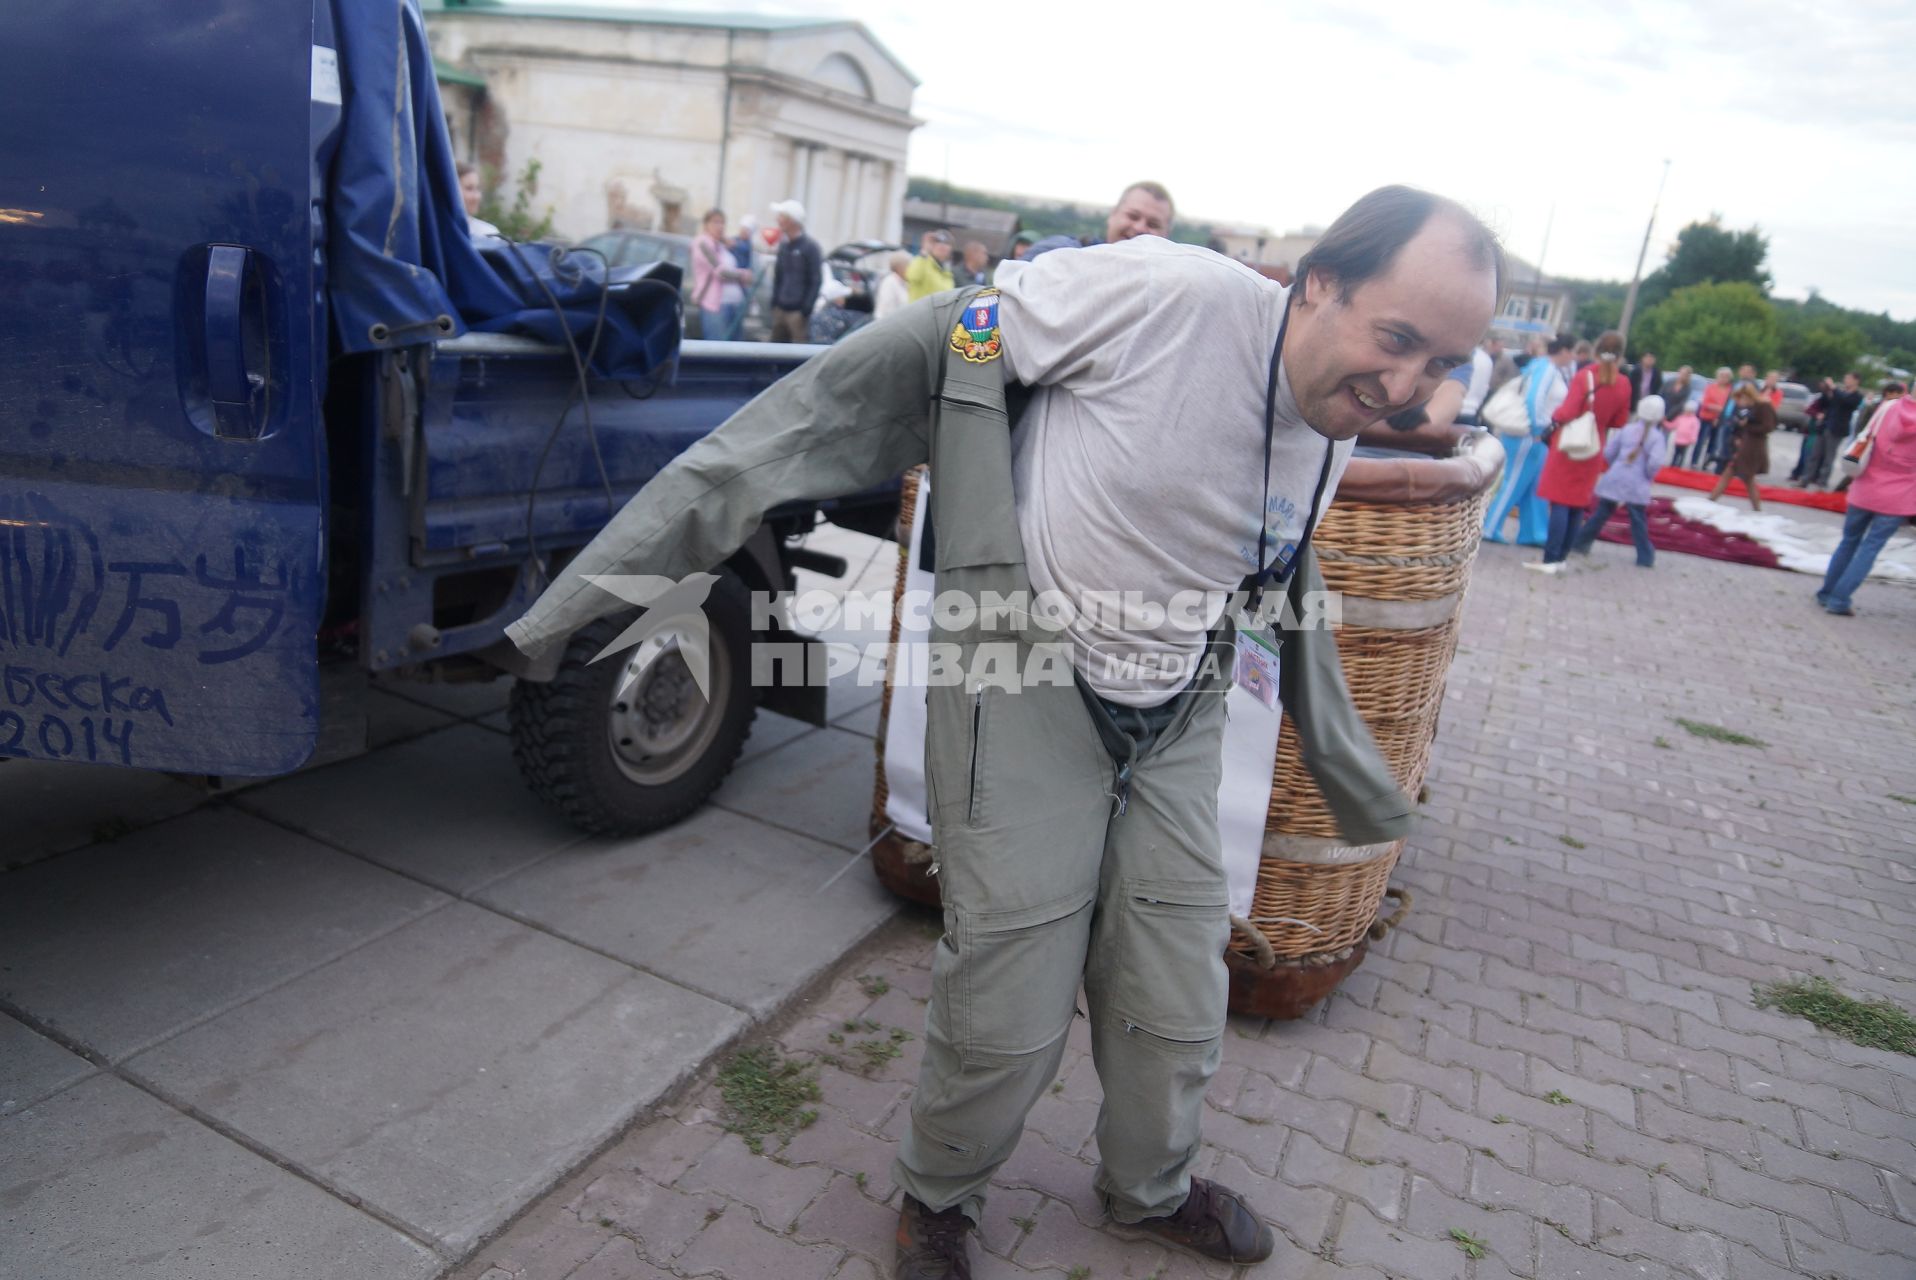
pixel 1398 545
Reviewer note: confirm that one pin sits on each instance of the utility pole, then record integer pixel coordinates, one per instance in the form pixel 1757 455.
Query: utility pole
pixel 1630 298
pixel 1536 284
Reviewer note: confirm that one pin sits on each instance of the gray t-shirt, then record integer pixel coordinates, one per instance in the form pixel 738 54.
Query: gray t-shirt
pixel 1135 468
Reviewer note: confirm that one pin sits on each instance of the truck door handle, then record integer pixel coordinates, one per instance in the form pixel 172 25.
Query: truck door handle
pixel 235 311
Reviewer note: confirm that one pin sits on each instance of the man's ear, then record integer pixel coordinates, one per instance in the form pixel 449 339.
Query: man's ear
pixel 1317 286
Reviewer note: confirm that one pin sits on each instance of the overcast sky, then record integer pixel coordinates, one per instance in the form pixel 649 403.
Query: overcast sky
pixel 1793 117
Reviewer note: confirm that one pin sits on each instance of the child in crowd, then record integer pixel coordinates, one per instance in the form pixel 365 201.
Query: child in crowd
pixel 1634 455
pixel 1684 428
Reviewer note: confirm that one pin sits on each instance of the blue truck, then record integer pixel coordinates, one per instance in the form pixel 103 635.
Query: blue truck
pixel 228 499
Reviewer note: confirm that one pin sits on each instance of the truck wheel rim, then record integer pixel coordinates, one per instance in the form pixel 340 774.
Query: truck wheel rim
pixel 658 722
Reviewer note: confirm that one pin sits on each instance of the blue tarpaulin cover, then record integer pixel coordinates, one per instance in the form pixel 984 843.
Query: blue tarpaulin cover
pixel 403 268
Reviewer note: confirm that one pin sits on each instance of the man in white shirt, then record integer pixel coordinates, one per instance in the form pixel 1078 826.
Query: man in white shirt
pixel 1076 827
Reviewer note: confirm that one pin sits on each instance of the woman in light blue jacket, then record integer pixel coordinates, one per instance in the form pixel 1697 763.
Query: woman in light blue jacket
pixel 1543 389
pixel 1635 454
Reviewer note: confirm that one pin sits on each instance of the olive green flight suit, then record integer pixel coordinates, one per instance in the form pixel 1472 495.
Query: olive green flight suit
pixel 1077 842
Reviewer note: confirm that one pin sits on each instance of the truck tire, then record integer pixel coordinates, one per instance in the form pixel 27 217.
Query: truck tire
pixel 628 745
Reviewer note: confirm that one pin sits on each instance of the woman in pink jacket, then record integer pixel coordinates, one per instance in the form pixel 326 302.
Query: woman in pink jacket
pixel 1880 499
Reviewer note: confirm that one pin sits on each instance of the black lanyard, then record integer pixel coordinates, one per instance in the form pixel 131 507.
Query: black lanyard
pixel 1265 572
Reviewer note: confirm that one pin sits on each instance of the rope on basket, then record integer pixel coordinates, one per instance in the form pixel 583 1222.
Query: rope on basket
pixel 1379 928
pixel 1261 945
pixel 1331 555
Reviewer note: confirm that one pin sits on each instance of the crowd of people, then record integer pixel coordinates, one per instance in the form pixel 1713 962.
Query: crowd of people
pixel 809 303
pixel 1585 434
pixel 1629 421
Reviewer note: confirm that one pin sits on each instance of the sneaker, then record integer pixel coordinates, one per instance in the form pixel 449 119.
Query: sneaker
pixel 1555 566
pixel 932 1246
pixel 1844 612
pixel 1214 1222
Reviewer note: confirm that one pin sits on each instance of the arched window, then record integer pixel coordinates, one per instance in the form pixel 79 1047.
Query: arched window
pixel 841 71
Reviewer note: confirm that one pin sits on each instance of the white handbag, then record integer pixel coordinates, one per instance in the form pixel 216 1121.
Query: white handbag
pixel 1506 411
pixel 1857 454
pixel 1580 440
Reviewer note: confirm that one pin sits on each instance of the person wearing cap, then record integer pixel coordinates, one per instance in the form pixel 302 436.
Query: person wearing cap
pixel 797 276
pixel 930 271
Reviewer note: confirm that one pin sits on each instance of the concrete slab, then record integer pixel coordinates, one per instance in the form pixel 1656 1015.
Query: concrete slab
pixel 103 1181
pixel 390 719
pixel 720 903
pixel 863 721
pixel 51 808
pixel 32 1067
pixel 462 817
pixel 122 944
pixel 466 700
pixel 447 1072
pixel 820 787
pixel 770 731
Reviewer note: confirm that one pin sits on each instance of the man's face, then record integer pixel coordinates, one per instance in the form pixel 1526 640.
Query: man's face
pixel 1649 360
pixel 1019 250
pixel 469 191
pixel 1357 359
pixel 1562 358
pixel 1746 374
pixel 1850 382
pixel 974 257
pixel 1139 213
pixel 939 249
pixel 787 228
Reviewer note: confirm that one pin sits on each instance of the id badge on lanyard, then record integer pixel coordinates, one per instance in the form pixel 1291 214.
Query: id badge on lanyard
pixel 1256 666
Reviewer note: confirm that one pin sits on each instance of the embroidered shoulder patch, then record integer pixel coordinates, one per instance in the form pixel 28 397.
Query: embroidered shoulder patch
pixel 976 336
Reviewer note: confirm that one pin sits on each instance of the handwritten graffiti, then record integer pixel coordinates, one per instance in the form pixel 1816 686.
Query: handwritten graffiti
pixel 55 583
pixel 52 575
pixel 56 715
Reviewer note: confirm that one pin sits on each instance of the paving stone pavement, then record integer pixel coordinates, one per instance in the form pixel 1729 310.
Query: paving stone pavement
pixel 1558 1053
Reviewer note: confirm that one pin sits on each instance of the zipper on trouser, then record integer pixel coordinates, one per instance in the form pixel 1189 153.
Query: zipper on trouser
pixel 977 721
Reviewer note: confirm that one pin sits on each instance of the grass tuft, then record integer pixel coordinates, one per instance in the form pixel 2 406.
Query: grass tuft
pixel 1471 1245
pixel 1717 733
pixel 765 1095
pixel 1875 1024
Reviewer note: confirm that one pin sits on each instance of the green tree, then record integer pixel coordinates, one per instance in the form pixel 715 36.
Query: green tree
pixel 1705 252
pixel 1819 349
pixel 516 221
pixel 1707 325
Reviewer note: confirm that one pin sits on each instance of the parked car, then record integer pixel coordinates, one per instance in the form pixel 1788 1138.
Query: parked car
pixel 627 248
pixel 1794 413
pixel 860 265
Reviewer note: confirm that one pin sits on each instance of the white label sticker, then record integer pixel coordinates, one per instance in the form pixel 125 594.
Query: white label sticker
pixel 326 76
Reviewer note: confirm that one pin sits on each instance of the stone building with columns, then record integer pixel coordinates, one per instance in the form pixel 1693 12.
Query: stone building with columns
pixel 645 118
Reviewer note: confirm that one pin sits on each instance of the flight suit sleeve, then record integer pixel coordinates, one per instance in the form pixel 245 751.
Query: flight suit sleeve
pixel 849 418
pixel 1338 750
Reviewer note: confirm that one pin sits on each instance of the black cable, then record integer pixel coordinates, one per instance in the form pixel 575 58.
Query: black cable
pixel 555 261
pixel 581 388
